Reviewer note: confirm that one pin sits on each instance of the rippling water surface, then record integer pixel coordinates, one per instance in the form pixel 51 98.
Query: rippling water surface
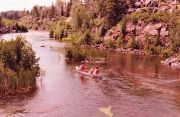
pixel 134 86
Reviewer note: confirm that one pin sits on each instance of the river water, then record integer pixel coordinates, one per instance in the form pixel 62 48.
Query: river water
pixel 134 86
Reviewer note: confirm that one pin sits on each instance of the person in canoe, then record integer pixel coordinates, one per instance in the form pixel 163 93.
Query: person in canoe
pixel 96 71
pixel 91 71
pixel 82 67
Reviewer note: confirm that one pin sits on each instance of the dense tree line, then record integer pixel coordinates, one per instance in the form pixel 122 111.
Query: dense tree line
pixel 8 26
pixel 112 9
pixel 14 15
pixel 88 21
pixel 88 14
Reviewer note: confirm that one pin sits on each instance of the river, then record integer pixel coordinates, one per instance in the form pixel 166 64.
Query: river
pixel 134 86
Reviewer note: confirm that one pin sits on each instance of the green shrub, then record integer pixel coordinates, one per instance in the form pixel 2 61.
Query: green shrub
pixel 80 38
pixel 60 29
pixel 100 22
pixel 156 50
pixel 87 38
pixel 80 17
pixel 166 53
pixel 110 43
pixel 77 54
pixel 123 28
pixel 138 16
pixel 17 54
pixel 14 25
pixel 132 43
pixel 76 38
pixel 174 25
pixel 98 41
pixel 160 16
pixel 18 67
pixel 120 41
pixel 51 33
pixel 69 54
pixel 111 10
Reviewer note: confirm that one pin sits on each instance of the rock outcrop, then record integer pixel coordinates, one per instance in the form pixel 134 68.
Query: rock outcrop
pixel 154 5
pixel 4 30
pixel 141 30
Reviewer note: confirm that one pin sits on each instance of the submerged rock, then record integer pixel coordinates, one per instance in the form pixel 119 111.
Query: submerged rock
pixel 107 111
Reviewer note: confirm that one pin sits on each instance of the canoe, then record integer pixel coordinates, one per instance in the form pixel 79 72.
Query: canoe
pixel 87 74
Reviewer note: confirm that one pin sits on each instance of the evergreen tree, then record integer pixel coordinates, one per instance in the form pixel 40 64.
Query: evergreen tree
pixel 35 12
pixel 62 10
pixel 68 9
pixel 112 10
pixel 59 5
pixel 80 17
pixel 52 11
pixel 0 22
pixel 174 32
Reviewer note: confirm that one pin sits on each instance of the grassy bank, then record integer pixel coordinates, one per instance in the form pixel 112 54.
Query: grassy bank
pixel 18 67
pixel 78 54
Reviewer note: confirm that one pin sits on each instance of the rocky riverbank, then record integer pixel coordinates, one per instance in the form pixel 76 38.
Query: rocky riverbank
pixel 5 30
pixel 173 61
pixel 154 5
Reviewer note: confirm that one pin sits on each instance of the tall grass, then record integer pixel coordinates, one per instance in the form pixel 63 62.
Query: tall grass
pixel 79 54
pixel 18 67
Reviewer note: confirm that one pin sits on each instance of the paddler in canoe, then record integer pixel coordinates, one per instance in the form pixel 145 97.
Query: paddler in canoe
pixel 82 67
pixel 96 71
pixel 91 71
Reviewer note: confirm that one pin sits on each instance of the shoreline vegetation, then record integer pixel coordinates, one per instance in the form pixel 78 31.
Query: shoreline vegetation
pixel 87 54
pixel 11 26
pixel 18 67
pixel 146 27
pixel 151 32
pixel 127 26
